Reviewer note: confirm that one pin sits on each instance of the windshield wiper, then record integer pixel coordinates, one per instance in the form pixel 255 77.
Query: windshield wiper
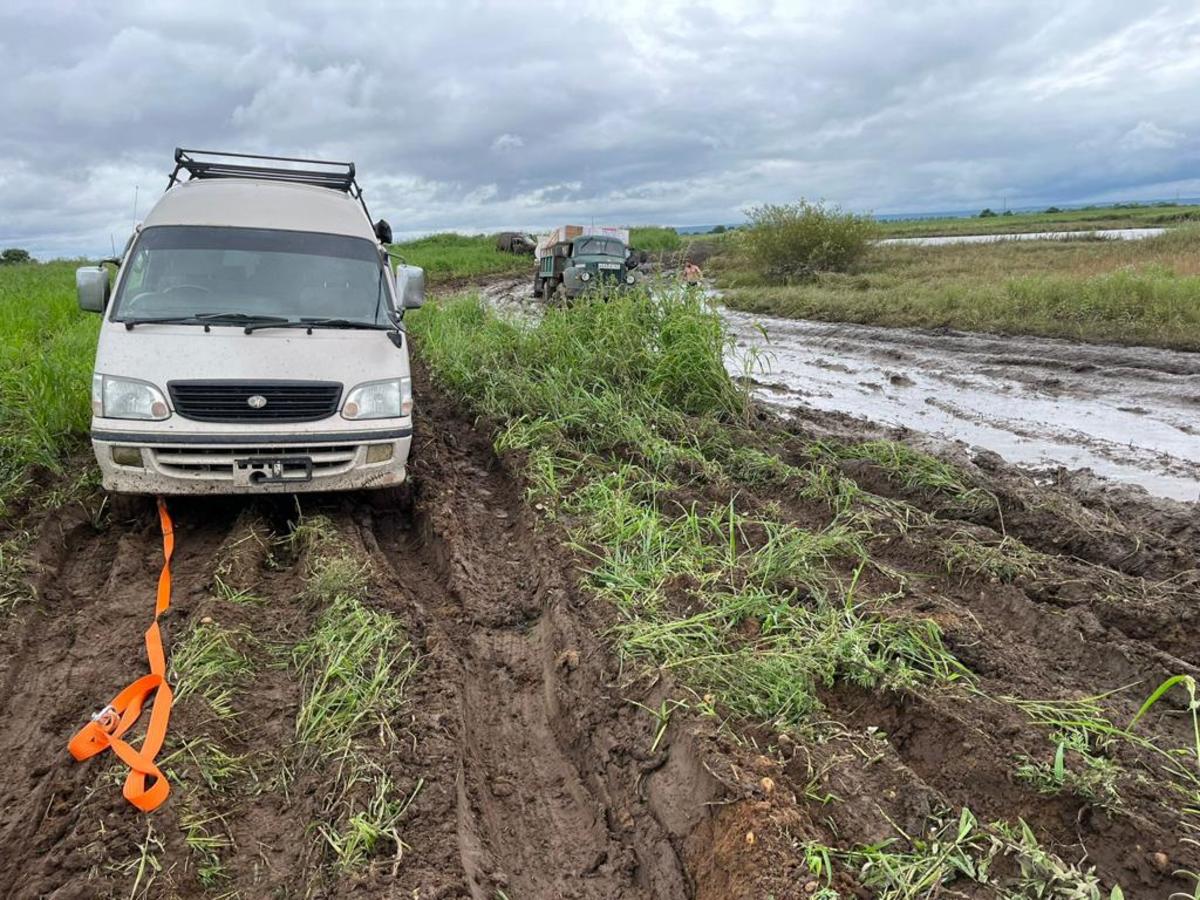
pixel 311 323
pixel 230 318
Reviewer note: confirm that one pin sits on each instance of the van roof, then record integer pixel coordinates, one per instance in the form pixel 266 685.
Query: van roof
pixel 251 203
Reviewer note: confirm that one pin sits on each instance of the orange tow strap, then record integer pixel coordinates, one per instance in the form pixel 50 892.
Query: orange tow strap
pixel 108 725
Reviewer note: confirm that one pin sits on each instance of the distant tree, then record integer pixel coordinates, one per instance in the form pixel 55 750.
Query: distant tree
pixel 986 213
pixel 718 229
pixel 1052 209
pixel 1007 212
pixel 14 255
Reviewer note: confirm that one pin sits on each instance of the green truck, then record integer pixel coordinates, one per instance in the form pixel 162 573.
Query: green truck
pixel 573 259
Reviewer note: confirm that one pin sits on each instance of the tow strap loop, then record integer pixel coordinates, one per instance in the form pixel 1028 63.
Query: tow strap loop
pixel 145 786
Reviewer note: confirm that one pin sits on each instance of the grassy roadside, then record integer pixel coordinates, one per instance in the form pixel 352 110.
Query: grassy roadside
pixel 449 256
pixel 1124 216
pixel 47 348
pixel 1129 292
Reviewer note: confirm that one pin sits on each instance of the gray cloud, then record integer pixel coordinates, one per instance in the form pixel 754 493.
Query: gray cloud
pixel 487 115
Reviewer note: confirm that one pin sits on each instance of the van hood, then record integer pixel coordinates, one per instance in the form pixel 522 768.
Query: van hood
pixel 163 353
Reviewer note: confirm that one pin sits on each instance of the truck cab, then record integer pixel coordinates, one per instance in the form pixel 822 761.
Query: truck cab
pixel 584 262
pixel 253 338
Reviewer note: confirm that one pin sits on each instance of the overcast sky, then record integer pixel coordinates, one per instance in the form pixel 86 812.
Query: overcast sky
pixel 479 116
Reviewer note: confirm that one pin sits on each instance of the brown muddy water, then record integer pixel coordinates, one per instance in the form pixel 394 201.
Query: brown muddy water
pixel 1129 414
pixel 1112 234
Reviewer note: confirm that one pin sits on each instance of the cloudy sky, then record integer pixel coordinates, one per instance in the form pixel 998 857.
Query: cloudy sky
pixel 479 116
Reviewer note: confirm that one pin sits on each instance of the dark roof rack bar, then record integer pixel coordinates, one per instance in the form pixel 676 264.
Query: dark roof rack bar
pixel 338 176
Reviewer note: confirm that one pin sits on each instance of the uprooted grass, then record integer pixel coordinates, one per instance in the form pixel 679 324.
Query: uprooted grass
pixel 354 667
pixel 957 851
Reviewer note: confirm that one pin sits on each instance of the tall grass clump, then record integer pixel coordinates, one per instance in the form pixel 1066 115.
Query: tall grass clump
pixel 630 425
pixel 47 348
pixel 794 241
pixel 602 371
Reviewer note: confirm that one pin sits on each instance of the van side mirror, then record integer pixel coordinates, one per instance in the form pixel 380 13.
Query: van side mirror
pixel 410 286
pixel 91 287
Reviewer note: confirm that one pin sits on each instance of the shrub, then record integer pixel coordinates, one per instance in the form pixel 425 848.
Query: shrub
pixel 14 255
pixel 796 240
pixel 718 229
pixel 1051 210
pixel 986 213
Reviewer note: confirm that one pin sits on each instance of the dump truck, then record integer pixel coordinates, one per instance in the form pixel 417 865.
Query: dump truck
pixel 253 341
pixel 572 259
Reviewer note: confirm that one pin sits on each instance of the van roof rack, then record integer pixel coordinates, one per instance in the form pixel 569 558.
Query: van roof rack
pixel 338 176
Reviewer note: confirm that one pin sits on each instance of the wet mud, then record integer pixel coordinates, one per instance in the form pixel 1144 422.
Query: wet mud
pixel 524 744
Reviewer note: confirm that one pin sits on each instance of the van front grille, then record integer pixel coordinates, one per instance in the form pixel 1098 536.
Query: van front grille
pixel 255 401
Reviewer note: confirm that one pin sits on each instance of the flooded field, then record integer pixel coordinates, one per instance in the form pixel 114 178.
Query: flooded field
pixel 1112 234
pixel 1131 414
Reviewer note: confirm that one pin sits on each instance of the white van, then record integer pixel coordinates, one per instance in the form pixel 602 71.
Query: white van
pixel 254 338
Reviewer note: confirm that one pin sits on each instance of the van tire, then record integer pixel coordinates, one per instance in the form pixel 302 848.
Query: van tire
pixel 549 288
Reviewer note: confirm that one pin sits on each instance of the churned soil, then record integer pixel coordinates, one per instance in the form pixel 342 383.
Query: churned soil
pixel 524 743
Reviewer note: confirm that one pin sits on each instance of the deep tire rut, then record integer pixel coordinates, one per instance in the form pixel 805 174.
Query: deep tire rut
pixel 547 800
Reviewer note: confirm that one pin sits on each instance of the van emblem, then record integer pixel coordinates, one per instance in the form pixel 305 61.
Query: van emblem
pixel 256 401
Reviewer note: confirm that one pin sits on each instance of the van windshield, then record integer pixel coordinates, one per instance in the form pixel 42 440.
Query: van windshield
pixel 193 270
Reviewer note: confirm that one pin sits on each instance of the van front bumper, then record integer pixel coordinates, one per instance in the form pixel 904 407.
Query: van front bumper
pixel 167 463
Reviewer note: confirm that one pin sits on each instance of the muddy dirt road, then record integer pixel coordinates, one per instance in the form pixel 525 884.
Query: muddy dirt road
pixel 1130 414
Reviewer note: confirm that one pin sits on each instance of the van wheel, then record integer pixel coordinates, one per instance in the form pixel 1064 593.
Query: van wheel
pixel 537 286
pixel 549 288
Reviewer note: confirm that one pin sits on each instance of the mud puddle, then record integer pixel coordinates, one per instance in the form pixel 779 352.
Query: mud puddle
pixel 1111 234
pixel 1129 414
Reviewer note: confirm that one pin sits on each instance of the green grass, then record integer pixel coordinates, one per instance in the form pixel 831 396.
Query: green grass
pixel 1129 292
pixel 958 851
pixel 655 240
pixel 47 347
pixel 1124 216
pixel 209 663
pixel 447 256
pixel 354 667
pixel 623 410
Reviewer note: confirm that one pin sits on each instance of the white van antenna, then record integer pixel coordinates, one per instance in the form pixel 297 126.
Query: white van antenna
pixel 135 204
pixel 113 238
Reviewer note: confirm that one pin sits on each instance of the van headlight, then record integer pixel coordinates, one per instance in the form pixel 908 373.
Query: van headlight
pixel 127 398
pixel 585 275
pixel 379 400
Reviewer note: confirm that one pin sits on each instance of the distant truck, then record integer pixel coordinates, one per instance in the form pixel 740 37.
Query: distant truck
pixel 574 258
pixel 516 243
